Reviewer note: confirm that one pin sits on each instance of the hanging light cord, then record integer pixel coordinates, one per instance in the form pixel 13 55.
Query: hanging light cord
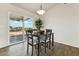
pixel 41 7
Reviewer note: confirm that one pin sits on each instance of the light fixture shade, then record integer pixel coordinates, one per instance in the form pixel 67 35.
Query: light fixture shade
pixel 41 12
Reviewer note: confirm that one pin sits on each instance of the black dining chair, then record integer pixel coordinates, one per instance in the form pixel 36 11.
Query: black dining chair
pixel 46 38
pixel 31 40
pixel 48 35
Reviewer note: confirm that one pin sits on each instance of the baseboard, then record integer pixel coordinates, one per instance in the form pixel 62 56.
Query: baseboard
pixel 12 44
pixel 67 44
pixel 4 47
pixel 17 43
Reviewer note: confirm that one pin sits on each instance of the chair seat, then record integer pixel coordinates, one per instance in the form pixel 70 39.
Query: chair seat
pixel 34 41
pixel 30 42
pixel 43 38
pixel 44 41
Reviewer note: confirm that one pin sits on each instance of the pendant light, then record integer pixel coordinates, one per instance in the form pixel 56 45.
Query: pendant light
pixel 41 11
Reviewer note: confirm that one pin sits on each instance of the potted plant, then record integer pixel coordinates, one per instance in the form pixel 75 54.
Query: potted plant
pixel 38 24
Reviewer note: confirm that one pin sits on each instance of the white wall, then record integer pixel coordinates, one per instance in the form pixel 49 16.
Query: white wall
pixel 4 9
pixel 64 21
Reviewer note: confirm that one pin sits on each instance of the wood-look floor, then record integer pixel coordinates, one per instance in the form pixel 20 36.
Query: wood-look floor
pixel 57 50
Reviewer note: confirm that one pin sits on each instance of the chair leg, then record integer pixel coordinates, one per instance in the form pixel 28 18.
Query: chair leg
pixel 27 49
pixel 32 50
pixel 52 39
pixel 45 46
pixel 49 43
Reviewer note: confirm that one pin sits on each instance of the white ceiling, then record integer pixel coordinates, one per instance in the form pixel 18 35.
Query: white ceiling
pixel 33 7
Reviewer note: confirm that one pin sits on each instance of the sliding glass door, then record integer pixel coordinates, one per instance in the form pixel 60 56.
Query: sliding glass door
pixel 17 28
pixel 16 32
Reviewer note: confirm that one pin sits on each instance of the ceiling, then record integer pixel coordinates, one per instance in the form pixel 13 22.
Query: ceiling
pixel 33 7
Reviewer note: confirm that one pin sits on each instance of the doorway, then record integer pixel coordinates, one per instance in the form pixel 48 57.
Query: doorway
pixel 17 28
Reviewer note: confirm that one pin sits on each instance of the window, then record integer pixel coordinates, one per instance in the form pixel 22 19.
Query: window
pixel 27 23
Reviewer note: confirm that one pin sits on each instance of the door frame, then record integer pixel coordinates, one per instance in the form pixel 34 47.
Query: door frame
pixel 9 29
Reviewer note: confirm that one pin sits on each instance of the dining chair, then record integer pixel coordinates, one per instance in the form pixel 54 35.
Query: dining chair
pixel 48 35
pixel 31 40
pixel 46 38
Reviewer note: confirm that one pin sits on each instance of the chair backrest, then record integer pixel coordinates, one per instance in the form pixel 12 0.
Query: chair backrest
pixel 48 33
pixel 34 31
pixel 29 34
pixel 41 32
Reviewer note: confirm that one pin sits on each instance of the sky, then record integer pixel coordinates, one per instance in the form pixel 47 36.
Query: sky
pixel 27 23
